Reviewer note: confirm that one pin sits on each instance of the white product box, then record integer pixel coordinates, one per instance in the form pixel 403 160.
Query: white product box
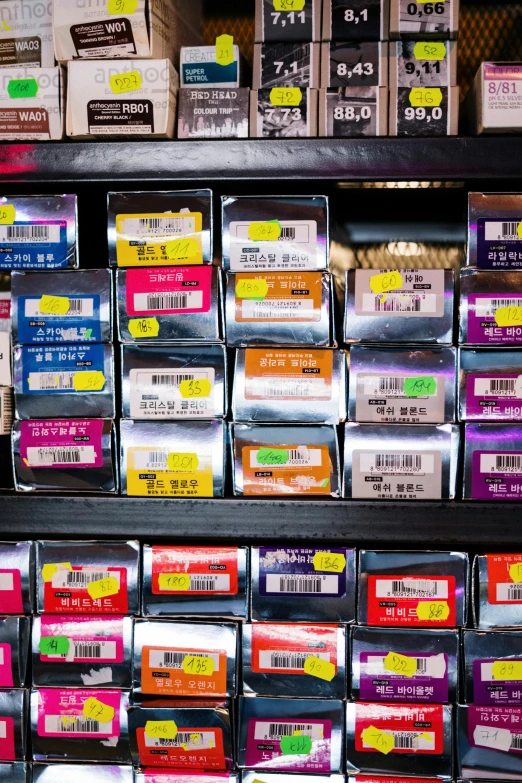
pixel 39 111
pixel 26 33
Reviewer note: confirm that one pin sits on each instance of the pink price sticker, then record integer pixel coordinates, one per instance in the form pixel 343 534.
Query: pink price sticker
pixel 168 290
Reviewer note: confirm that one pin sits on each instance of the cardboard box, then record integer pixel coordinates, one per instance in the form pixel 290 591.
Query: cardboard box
pixel 26 36
pixel 198 68
pixel 493 240
pixel 492 462
pixel 353 112
pixel 414 20
pixel 98 108
pixel 496 595
pixel 286 65
pixel 270 120
pixel 490 385
pixel 213 113
pixel 17 594
pixel 354 64
pixel 358 20
pixel 488 308
pixel 40 115
pixel 486 106
pixel 423 64
pixel 424 111
pixel 284 26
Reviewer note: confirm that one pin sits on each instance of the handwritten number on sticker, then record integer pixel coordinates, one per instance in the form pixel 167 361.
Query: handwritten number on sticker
pixel 329 561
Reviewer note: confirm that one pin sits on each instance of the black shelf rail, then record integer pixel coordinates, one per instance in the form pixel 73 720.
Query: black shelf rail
pixel 437 524
pixel 452 158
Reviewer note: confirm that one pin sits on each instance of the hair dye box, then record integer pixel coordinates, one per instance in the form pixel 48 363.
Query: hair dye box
pixel 357 20
pixel 16 772
pixel 151 775
pixel 490 109
pixel 17 577
pixel 278 22
pixel 418 20
pixel 493 223
pixel 14 713
pixel 423 64
pixel 277 113
pixel 26 37
pixel 284 777
pixel 496 593
pixel 492 667
pixel 82 773
pixel 488 742
pixel 199 67
pixel 32 104
pixel 354 64
pixel 492 461
pixel 115 98
pixel 352 112
pixel 213 113
pixel 286 65
pixel 490 308
pixel 196 581
pixel 6 411
pixel 490 384
pixel 15 633
pixel 424 111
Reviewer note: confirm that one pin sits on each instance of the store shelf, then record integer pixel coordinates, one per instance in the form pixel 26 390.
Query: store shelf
pixel 375 523
pixel 329 159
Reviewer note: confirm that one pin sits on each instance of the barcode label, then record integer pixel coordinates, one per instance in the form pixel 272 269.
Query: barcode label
pixel 497 229
pixel 70 724
pixel 265 730
pixel 6 582
pixel 516 741
pixel 63 579
pixel 509 592
pixel 390 386
pixel 218 583
pixel 278 388
pixel 498 387
pixel 150 460
pixel 400 303
pixel 277 308
pixel 155 393
pixel 51 381
pixel 486 308
pixel 411 740
pixel 77 307
pixel 167 379
pixel 397 463
pixel 61 455
pixel 168 300
pixel 500 463
pixel 286 659
pixel 32 233
pixel 303 457
pixel 434 666
pixel 88 650
pixel 188 740
pixel 411 588
pixel 297 247
pixel 300 232
pixel 157 226
pixel 173 659
pixel 486 671
pixel 302 583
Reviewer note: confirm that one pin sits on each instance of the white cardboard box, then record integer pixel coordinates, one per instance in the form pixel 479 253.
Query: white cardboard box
pixel 26 34
pixel 39 117
pixel 494 102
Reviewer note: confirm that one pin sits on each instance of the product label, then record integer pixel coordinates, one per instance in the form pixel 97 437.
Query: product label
pixel 291 571
pixel 411 676
pixel 191 748
pixel 281 648
pixel 289 469
pixel 161 393
pixel 63 712
pixel 297 746
pixel 7 739
pixel 76 639
pixel 107 38
pixel 400 398
pixel 30 123
pixel 496 475
pixel 497 681
pixel 502 96
pixel 354 65
pixel 286 65
pixel 411 293
pixel 6 668
pixel 79 323
pixel 499 241
pixel 197 69
pixel 358 21
pixel 61 443
pixel 86 589
pixel 497 728
pixel 290 297
pixel 424 17
pixel 422 64
pixel 56 369
pixel 494 319
pixel 295 248
pixel 422 111
pixel 187 571
pixel 423 601
pixel 26 51
pixel 11 599
pixel 382 728
pixel 128 117
pixel 282 23
pixel 352 115
pixel 504 577
pixel 156 471
pixel 288 375
pixel 397 475
pixel 33 244
pixel 159 239
pixel 494 395
pixel 168 291
pixel 183 671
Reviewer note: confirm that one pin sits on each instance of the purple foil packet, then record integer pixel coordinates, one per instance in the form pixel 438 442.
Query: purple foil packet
pixel 493 462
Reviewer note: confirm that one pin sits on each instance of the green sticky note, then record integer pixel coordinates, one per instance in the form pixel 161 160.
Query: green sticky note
pixel 22 88
pixel 267 456
pixel 420 386
pixel 54 645
pixel 293 746
pixel 88 333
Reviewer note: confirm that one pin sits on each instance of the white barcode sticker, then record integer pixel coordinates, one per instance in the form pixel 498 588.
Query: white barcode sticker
pixel 219 583
pixel 67 724
pixel 173 659
pixel 433 666
pixel 278 308
pixel 168 300
pixel 411 740
pixel 89 650
pixel 32 233
pixel 52 381
pixel 145 459
pixel 303 457
pixel 400 303
pixel 274 388
pixel 507 230
pixel 492 737
pixel 296 247
pixel 486 670
pixel 486 307
pixel 287 659
pixel 6 582
pixel 411 588
pixel 155 393
pixel 302 583
pixel 498 387
pixel 64 579
pixel 507 591
pixel 393 386
pixel 192 741
pixel 61 455
pixel 266 730
pixel 397 463
pixel 500 463
pixel 168 226
pixel 77 307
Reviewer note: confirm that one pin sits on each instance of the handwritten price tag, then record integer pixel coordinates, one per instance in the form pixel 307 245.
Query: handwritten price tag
pixel 400 664
pixel 225 49
pixel 296 745
pixel 507 670
pixel 515 572
pixel 268 456
pixel 103 588
pixel 388 281
pixel 54 305
pixel 429 51
pixel 91 380
pixel 286 96
pixel 196 388
pixel 125 82
pixel 183 248
pixel 182 462
pixel 267 231
pixel 49 570
pixel 252 289
pixel 174 582
pixel 433 610
pixel 97 710
pixel 201 665
pixel 378 740
pixel 144 327
pixel 127 7
pixel 316 667
pixel 22 88
pixel 508 316
pixel 166 729
pixel 328 561
pixel 54 645
pixel 289 5
pixel 426 96
pixel 420 386
pixel 7 214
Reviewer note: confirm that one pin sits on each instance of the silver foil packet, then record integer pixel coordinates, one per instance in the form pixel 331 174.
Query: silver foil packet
pixel 417 589
pixel 54 381
pixel 399 739
pixel 174 382
pixel 162 228
pixel 402 665
pixel 15 633
pixel 497 592
pixel 283 777
pixel 66 571
pixel 399 306
pixel 402 385
pixel 489 740
pixel 172 459
pixel 76 724
pixel 410 462
pixel 283 576
pixel 17 577
pixel 290 735
pixel 71 651
pixel 196 581
pixel 170 304
pixel 283 233
pixel 14 713
pixel 490 385
pixel 178 660
pixel 82 773
pixel 294 660
pixel 289 385
pixel 16 772
pixel 203 738
pixel 493 667
pixel 493 221
pixel 492 462
pixel 489 308
pixel 64 455
pixel 279 308
pixel 285 459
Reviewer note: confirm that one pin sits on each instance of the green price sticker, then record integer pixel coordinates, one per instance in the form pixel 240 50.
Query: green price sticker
pixel 420 386
pixel 22 88
pixel 267 456
pixel 54 645
pixel 293 746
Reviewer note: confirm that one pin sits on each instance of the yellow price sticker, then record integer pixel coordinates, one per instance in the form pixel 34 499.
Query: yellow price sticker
pixel 93 709
pixel 387 281
pixel 289 5
pixel 54 305
pixel 379 740
pixel 182 462
pixel 125 82
pixel 225 49
pixel 508 316
pixel 426 96
pixel 89 380
pixel 174 582
pixel 166 729
pixel 507 670
pixel 324 670
pixel 267 231
pixel 436 611
pixel 515 572
pixel 144 327
pixel 200 665
pixel 255 288
pixel 103 588
pixel 424 50
pixel 286 96
pixel 329 561
pixel 197 388
pixel 49 570
pixel 127 7
pixel 400 664
pixel 7 214
pixel 183 248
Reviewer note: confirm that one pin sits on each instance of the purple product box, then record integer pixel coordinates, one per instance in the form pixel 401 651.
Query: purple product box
pixel 494 228
pixel 489 742
pixel 490 308
pixel 493 667
pixel 493 462
pixel 490 384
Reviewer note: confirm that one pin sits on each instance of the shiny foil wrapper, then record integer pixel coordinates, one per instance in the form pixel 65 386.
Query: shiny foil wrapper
pixel 488 284
pixel 15 632
pixel 482 648
pixel 16 772
pixel 233 606
pixel 496 208
pixel 403 390
pixel 493 609
pixel 98 556
pixel 176 776
pixel 77 673
pixel 291 400
pixel 482 439
pixel 150 373
pixel 283 777
pixel 281 682
pixel 204 639
pixel 481 366
pixel 18 558
pixel 370 467
pixel 82 773
pixel 14 705
pixel 293 573
pixel 414 643
pixel 480 762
